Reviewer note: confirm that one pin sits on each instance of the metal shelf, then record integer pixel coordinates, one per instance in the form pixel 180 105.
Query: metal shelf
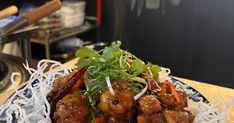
pixel 60 34
pixel 65 33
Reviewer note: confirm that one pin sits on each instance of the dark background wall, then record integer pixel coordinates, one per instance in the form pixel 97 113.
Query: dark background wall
pixel 195 40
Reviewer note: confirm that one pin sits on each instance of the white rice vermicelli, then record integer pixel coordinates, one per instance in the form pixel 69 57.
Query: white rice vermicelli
pixel 29 104
pixel 214 112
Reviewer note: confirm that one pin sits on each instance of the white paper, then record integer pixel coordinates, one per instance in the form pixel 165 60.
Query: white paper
pixel 140 7
pixel 175 2
pixel 152 4
pixel 133 4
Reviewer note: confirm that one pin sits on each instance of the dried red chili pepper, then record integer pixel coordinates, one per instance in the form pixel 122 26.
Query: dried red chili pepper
pixel 152 86
pixel 65 90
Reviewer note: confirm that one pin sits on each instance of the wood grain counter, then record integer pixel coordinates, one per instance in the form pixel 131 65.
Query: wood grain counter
pixel 208 90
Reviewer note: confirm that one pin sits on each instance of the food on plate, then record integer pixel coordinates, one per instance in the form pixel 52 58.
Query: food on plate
pixel 117 87
pixel 108 86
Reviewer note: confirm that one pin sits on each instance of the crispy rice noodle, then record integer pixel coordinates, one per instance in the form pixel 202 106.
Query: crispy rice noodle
pixel 31 105
pixel 164 74
pixel 214 112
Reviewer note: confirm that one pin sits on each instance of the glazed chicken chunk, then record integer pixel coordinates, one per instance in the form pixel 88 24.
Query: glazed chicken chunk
pixel 72 109
pixel 149 104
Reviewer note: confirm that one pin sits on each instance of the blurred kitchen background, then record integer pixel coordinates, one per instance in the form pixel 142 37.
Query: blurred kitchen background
pixel 194 38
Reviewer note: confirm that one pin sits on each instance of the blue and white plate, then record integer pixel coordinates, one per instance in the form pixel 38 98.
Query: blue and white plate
pixel 193 93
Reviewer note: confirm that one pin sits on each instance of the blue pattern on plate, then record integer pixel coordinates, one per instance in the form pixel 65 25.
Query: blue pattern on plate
pixel 195 97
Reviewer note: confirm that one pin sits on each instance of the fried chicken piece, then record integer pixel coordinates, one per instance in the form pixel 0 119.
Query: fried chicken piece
pixel 149 104
pixel 72 109
pixel 154 118
pixel 169 101
pixel 178 116
pixel 116 105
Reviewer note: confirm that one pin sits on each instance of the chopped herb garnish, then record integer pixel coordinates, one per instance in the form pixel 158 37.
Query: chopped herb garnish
pixel 155 69
pixel 116 63
pixel 137 67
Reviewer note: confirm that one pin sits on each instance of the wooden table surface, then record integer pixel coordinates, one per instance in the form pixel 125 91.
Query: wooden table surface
pixel 208 90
